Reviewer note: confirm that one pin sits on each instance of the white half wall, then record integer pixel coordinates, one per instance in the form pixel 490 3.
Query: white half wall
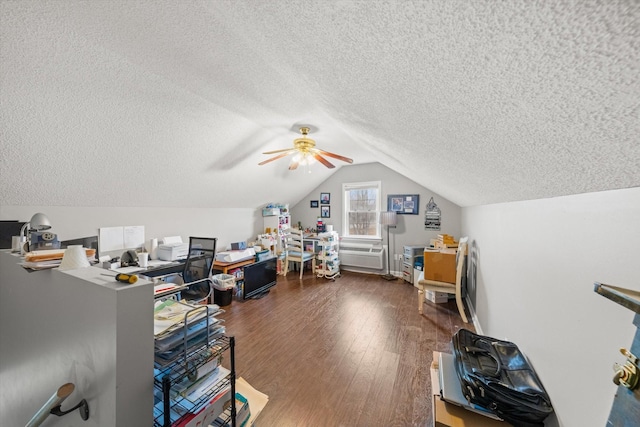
pixel 535 266
pixel 228 225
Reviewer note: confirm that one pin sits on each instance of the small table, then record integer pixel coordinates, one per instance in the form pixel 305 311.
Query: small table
pixel 226 266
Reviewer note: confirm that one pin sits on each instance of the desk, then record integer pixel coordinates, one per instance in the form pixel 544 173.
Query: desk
pixel 226 266
pixel 164 269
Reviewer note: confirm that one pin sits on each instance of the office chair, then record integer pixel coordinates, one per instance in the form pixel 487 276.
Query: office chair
pixel 197 269
pixel 294 251
pixel 450 288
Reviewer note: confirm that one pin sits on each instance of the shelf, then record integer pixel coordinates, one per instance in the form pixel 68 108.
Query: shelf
pixel 171 288
pixel 625 297
pixel 177 382
pixel 327 254
pixel 193 387
pixel 410 252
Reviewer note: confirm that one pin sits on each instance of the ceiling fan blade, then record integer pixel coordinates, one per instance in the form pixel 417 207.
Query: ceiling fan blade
pixel 293 165
pixel 335 156
pixel 322 160
pixel 280 151
pixel 279 156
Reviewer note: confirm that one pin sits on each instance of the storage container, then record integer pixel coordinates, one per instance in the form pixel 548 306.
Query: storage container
pixel 222 297
pixel 437 297
pixel 262 255
pixel 270 211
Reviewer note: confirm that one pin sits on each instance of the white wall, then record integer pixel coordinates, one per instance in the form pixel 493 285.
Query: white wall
pixel 228 225
pixel 410 229
pixel 537 262
pixel 72 326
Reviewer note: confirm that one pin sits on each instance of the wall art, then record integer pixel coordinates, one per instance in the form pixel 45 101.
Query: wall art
pixel 403 204
pixel 432 216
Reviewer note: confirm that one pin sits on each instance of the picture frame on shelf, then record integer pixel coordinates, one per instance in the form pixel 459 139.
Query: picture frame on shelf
pixel 403 204
pixel 325 211
pixel 325 198
pixel 314 204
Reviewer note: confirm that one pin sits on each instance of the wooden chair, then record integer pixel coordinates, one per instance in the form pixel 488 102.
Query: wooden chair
pixel 294 251
pixel 450 288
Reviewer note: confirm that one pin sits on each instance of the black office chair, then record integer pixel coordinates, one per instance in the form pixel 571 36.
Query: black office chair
pixel 197 269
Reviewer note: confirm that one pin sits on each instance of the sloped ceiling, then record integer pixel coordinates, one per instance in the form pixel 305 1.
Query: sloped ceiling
pixel 170 103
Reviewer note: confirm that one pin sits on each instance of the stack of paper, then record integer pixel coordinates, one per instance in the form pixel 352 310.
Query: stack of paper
pixel 176 322
pixel 49 258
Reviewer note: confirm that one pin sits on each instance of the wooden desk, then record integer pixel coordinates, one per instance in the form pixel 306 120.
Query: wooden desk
pixel 226 266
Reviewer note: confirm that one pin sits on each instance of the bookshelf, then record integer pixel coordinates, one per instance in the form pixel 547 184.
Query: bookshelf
pixel 328 261
pixel 192 385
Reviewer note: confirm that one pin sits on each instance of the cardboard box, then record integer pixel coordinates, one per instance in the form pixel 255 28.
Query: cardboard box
pixel 440 265
pixel 448 415
pixel 437 297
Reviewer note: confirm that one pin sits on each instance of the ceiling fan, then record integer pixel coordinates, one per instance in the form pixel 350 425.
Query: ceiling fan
pixel 306 153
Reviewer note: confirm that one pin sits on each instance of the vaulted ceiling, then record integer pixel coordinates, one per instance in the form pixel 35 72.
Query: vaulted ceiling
pixel 171 103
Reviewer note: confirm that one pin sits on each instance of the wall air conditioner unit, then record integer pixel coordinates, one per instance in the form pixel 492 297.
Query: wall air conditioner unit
pixel 362 255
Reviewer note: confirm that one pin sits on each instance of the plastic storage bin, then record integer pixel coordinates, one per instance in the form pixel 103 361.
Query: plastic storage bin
pixel 262 255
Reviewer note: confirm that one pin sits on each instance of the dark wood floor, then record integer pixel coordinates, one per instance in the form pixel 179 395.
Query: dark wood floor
pixel 350 352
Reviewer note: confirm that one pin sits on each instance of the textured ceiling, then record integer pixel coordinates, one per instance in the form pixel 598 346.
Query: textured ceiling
pixel 170 103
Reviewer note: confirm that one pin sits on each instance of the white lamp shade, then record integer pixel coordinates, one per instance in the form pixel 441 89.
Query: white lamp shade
pixel 388 218
pixel 75 256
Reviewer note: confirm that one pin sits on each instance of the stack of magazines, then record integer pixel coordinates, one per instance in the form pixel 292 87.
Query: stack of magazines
pixel 179 327
pixel 189 344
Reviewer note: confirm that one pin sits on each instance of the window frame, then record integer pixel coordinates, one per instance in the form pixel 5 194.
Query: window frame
pixel 346 188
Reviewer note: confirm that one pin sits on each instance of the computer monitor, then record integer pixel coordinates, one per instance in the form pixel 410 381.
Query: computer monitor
pixel 7 230
pixel 90 242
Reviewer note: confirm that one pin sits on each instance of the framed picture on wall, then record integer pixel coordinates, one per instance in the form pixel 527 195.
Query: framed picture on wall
pixel 314 203
pixel 325 211
pixel 325 198
pixel 403 204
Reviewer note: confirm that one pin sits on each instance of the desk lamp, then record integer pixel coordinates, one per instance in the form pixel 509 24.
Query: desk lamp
pixel 389 219
pixel 38 222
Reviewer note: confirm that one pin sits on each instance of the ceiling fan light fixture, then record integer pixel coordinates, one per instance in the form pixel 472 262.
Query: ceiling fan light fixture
pixel 303 159
pixel 305 152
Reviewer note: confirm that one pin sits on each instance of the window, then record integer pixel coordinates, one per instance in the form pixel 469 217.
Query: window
pixel 361 209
